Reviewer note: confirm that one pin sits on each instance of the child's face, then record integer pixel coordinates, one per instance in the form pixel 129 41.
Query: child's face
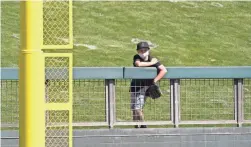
pixel 142 51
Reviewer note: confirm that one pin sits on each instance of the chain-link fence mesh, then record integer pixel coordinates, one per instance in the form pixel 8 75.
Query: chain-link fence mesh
pixel 56 22
pixel 201 99
pixel 89 101
pixel 247 99
pixel 154 110
pixel 57 79
pixel 9 102
pixel 57 91
pixel 123 112
pixel 207 99
pixel 57 128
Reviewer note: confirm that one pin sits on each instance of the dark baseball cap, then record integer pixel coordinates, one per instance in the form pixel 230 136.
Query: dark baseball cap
pixel 142 45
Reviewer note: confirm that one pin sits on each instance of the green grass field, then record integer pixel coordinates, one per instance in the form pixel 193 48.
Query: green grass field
pixel 182 33
pixel 185 33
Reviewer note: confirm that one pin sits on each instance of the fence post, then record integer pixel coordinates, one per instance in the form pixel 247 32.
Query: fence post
pixel 107 101
pixel 172 99
pixel 111 103
pixel 31 76
pixel 175 101
pixel 236 100
pixel 238 88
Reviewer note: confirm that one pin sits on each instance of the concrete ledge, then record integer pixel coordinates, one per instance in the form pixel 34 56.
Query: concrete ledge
pixel 173 137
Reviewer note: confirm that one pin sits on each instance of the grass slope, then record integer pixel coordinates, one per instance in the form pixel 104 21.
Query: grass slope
pixel 187 33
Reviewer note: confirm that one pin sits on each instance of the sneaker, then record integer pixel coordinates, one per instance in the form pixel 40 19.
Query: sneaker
pixel 143 126
pixel 136 126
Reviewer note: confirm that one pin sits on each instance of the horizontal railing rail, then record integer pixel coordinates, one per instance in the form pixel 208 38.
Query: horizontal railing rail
pixel 214 72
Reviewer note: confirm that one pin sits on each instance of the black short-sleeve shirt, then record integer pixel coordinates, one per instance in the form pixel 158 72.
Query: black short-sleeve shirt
pixel 136 84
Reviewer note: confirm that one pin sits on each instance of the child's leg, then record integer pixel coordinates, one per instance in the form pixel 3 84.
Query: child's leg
pixel 137 104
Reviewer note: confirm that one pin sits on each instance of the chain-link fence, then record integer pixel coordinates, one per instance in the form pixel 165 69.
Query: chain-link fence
pixel 89 104
pixel 57 128
pixel 207 99
pixel 56 22
pixel 9 103
pixel 58 92
pixel 200 100
pixel 57 79
pixel 154 110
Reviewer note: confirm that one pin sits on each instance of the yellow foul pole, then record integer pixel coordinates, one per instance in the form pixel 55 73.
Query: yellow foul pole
pixel 31 76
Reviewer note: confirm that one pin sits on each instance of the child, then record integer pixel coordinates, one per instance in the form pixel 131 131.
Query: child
pixel 139 86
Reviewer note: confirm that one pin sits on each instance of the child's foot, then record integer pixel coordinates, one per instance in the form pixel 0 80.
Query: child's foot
pixel 136 126
pixel 143 126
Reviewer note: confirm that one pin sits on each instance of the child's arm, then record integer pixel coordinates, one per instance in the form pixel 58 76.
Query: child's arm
pixel 143 64
pixel 161 74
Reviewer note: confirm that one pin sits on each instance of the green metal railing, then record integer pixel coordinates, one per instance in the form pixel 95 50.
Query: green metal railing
pixel 191 96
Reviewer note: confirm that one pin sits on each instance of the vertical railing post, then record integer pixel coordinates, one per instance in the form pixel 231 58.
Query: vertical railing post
pixel 111 103
pixel 239 113
pixel 236 100
pixel 175 101
pixel 107 110
pixel 179 102
pixel 172 100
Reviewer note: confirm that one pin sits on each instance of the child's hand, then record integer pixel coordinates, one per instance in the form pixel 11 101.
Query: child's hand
pixel 154 60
